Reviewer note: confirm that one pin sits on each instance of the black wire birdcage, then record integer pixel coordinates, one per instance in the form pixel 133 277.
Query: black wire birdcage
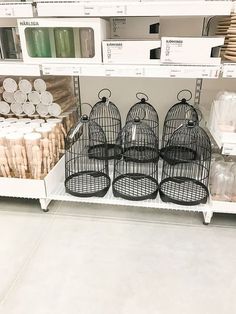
pixel 136 172
pixel 175 117
pixel 146 112
pixel 86 176
pixel 107 115
pixel 185 181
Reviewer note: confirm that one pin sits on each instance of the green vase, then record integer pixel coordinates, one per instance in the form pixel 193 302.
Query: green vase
pixel 38 42
pixel 64 42
pixel 8 42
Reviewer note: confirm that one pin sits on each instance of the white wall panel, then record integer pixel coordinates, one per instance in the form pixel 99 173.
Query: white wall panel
pixel 162 92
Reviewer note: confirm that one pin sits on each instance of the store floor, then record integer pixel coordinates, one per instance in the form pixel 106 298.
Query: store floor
pixel 85 259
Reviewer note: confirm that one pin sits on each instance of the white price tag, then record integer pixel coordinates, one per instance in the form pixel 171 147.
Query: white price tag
pixel 175 72
pixel 229 149
pixel 229 71
pixel 6 11
pixel 61 70
pixel 111 10
pixel 139 72
pixel 76 71
pixel 109 72
pixel 47 70
pixel 205 75
pixel 89 10
pixel 121 10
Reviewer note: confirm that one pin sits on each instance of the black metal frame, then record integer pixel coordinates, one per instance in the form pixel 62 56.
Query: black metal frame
pixel 184 179
pixel 107 115
pixel 136 172
pixel 85 175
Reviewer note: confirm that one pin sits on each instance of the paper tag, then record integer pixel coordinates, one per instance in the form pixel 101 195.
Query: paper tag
pixel 111 10
pixel 63 70
pixel 229 71
pixel 114 49
pixel 172 47
pixel 109 72
pixel 121 10
pixel 133 132
pixel 175 72
pixel 6 11
pixel 89 10
pixel 229 149
pixel 107 102
pixel 47 70
pixel 76 71
pixel 139 72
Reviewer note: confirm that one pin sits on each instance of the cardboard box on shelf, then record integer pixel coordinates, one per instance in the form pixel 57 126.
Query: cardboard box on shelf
pixel 68 40
pixel 135 27
pixel 191 50
pixel 131 51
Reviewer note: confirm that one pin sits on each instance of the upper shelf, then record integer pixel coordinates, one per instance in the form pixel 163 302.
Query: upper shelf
pixel 46 8
pixel 156 71
pixel 134 8
pixel 161 71
pixel 16 9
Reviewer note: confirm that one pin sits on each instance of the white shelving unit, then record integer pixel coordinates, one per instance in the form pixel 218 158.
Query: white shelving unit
pixel 52 187
pixel 126 8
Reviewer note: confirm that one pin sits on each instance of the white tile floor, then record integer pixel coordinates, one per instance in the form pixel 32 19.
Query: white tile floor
pixel 84 259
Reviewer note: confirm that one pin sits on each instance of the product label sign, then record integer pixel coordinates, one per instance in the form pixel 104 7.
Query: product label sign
pixel 89 10
pixel 61 70
pixel 229 70
pixel 172 47
pixel 6 11
pixel 114 49
pixel 229 149
pixel 109 72
pixel 120 10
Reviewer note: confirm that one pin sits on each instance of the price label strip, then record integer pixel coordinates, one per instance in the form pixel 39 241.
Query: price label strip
pixel 229 70
pixel 105 10
pixel 124 72
pixel 61 70
pixel 6 11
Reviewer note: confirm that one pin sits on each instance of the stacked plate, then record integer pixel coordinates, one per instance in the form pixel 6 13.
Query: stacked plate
pixel 227 27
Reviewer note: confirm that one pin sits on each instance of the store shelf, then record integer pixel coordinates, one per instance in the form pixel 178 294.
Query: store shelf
pixel 159 8
pixel 162 71
pixel 31 188
pixel 52 188
pixel 223 207
pixel 19 68
pixel 60 195
pixel 16 9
